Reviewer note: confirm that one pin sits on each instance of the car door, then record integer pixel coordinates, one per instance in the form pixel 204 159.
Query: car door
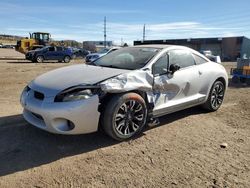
pixel 178 90
pixel 51 53
pixel 59 53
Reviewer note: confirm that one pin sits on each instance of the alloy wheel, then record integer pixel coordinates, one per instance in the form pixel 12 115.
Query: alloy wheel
pixel 67 59
pixel 217 95
pixel 129 118
pixel 39 59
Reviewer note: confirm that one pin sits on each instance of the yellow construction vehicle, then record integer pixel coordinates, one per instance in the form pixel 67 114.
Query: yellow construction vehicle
pixel 36 40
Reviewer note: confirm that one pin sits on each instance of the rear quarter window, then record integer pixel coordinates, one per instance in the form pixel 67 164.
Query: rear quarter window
pixel 183 58
pixel 199 60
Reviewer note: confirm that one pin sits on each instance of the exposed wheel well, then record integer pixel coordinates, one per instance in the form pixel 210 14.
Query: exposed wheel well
pixel 104 100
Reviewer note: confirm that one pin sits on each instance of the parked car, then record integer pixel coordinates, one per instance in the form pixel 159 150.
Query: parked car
pixel 123 90
pixel 209 55
pixel 8 46
pixel 50 53
pixel 94 56
pixel 80 52
pixel 206 52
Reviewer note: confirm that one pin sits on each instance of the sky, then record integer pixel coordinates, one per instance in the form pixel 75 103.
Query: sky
pixel 82 20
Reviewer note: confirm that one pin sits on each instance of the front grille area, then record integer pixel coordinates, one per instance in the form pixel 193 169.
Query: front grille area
pixel 88 58
pixel 37 116
pixel 28 55
pixel 38 95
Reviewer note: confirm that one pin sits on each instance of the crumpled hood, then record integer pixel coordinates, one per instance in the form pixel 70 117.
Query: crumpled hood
pixel 52 82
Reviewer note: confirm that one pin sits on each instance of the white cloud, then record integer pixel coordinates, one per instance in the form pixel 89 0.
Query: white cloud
pixel 129 32
pixel 6 8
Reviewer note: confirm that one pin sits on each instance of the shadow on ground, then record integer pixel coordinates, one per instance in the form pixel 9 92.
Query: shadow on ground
pixel 19 62
pixel 167 119
pixel 30 62
pixel 23 147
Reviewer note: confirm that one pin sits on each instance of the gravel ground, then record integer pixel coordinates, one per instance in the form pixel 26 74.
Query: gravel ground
pixel 183 151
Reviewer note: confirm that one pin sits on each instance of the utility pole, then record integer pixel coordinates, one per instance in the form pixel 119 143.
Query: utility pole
pixel 105 32
pixel 122 42
pixel 144 33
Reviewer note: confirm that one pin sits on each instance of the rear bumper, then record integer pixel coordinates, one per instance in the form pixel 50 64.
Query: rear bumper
pixel 76 117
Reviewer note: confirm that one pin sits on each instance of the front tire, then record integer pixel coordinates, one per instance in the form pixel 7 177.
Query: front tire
pixel 124 116
pixel 39 59
pixel 216 97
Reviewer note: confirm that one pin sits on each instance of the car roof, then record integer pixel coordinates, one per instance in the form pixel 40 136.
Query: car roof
pixel 162 46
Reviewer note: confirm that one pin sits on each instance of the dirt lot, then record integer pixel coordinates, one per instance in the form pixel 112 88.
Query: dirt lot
pixel 10 53
pixel 184 151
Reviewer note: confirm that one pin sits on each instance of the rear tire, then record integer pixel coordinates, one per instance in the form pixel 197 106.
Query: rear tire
pixel 39 59
pixel 124 116
pixel 66 59
pixel 215 97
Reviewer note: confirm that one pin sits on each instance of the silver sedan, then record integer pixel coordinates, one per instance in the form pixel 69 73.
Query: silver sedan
pixel 124 90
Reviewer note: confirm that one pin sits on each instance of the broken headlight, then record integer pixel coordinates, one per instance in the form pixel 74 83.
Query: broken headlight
pixel 74 95
pixel 78 95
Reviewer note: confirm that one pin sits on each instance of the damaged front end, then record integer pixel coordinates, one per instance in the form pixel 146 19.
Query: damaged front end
pixel 138 81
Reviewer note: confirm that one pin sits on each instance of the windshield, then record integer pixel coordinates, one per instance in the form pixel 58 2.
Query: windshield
pixel 41 36
pixel 44 48
pixel 127 58
pixel 105 50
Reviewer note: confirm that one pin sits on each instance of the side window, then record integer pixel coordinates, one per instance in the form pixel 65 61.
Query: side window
pixel 199 60
pixel 51 49
pixel 181 57
pixel 161 65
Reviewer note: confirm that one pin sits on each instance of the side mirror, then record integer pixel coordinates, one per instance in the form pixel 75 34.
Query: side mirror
pixel 173 68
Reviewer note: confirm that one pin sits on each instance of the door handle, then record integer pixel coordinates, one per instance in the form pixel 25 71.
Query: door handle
pixel 200 73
